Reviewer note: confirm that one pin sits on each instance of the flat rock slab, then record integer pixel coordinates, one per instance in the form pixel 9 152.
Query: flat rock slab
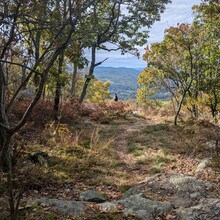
pixel 65 207
pixel 187 198
pixel 138 206
pixel 208 209
pixel 92 196
pixel 184 190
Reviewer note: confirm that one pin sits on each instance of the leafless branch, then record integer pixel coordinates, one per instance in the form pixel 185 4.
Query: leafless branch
pixel 21 65
pixel 4 127
pixel 99 63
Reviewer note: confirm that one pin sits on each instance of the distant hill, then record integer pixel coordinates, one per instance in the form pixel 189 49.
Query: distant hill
pixel 123 80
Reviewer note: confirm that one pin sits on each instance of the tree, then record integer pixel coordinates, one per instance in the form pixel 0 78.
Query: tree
pixel 98 91
pixel 175 64
pixel 14 18
pixel 118 25
pixel 186 62
pixel 207 21
pixel 148 83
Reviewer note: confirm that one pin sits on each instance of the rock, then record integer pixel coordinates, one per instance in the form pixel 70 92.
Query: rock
pixel 211 144
pixel 187 198
pixel 92 196
pixel 184 190
pixel 39 157
pixel 139 206
pixel 26 94
pixel 151 178
pixel 189 190
pixel 63 206
pixel 132 191
pixel 109 206
pixel 202 165
pixel 208 209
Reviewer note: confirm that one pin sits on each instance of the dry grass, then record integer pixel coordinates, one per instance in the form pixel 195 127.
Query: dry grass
pixel 86 152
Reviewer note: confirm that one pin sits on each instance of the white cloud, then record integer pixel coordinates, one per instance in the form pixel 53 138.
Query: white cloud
pixel 178 12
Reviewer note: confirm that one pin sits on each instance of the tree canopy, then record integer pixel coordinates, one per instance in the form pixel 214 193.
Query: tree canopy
pixel 41 40
pixel 186 62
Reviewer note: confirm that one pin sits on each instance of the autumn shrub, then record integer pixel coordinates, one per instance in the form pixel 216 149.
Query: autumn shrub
pixel 41 115
pixel 68 113
pixel 103 110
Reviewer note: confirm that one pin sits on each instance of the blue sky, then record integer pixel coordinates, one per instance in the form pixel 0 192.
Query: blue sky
pixel 179 11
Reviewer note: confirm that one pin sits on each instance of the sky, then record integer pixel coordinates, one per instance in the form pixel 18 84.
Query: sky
pixel 179 11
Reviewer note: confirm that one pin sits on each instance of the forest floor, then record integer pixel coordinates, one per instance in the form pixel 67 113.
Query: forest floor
pixel 109 155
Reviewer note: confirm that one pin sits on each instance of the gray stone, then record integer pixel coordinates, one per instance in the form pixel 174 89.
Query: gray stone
pixel 184 190
pixel 91 196
pixel 63 206
pixel 202 165
pixel 208 209
pixel 26 94
pixel 139 206
pixel 132 191
pixel 188 196
pixel 109 206
pixel 189 191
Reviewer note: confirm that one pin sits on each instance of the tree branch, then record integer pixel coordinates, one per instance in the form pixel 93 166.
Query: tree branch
pixel 21 65
pixel 109 50
pixel 5 127
pixel 99 63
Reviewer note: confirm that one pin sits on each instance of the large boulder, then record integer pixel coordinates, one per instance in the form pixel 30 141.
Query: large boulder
pixel 184 190
pixel 138 206
pixel 186 194
pixel 207 209
pixel 65 207
pixel 172 196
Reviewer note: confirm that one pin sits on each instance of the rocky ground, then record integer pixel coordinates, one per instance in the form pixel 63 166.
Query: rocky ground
pixel 150 170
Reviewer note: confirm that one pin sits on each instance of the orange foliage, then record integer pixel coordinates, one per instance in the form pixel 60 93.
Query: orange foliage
pixel 69 113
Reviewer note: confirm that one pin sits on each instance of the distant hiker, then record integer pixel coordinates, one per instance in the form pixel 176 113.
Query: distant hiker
pixel 116 97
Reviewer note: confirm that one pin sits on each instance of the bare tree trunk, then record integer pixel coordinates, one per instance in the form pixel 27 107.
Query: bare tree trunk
pixel 83 94
pixel 214 105
pixel 179 108
pixel 58 88
pixel 23 78
pixel 4 128
pixel 91 71
pixel 73 86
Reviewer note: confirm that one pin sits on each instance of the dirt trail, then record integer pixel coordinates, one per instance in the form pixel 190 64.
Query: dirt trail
pixel 160 147
pixel 122 142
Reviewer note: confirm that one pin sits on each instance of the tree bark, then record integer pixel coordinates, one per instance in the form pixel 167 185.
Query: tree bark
pixel 214 105
pixel 91 71
pixel 4 127
pixel 58 88
pixel 73 86
pixel 179 108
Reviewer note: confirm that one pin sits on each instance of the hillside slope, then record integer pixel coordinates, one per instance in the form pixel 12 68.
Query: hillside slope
pixel 123 80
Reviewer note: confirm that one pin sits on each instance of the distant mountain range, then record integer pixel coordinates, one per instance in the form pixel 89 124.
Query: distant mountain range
pixel 123 80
